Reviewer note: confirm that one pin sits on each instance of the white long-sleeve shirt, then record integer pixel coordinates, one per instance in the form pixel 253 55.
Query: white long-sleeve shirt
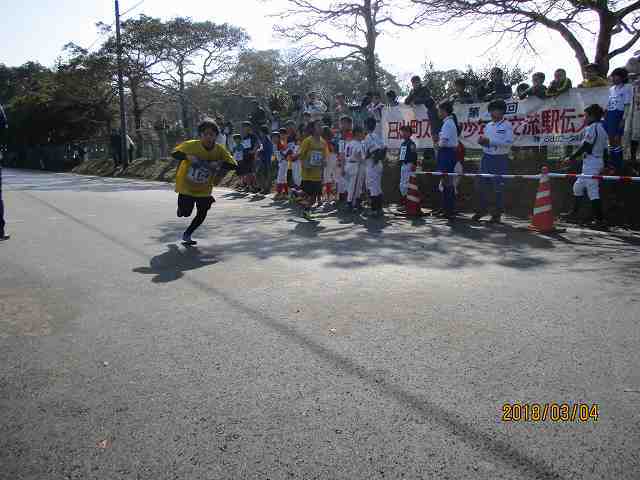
pixel 448 133
pixel 500 135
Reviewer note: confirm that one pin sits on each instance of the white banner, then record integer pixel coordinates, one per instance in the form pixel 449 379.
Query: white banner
pixel 536 122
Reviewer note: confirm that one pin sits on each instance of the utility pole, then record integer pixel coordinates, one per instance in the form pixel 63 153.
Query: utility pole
pixel 123 117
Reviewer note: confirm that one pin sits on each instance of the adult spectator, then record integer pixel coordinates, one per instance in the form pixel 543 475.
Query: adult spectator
pixel 392 98
pixel 461 94
pixel 4 125
pixel 131 147
pixel 116 147
pixel 421 95
pixel 592 77
pixel 258 116
pixel 559 84
pixel 537 89
pixel 315 105
pixel 227 131
pixel 341 103
pixel 497 89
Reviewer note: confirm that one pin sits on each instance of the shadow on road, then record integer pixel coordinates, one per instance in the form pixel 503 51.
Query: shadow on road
pixel 172 264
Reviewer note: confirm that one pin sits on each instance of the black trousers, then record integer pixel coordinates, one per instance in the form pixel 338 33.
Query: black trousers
pixel 185 208
pixel 376 202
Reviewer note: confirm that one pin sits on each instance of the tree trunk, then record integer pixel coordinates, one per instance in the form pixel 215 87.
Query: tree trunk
pixel 603 45
pixel 370 53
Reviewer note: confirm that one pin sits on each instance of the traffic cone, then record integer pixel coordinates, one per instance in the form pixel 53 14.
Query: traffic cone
pixel 542 219
pixel 413 197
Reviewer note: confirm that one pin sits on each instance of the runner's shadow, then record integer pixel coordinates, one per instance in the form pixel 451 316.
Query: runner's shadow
pixel 171 265
pixel 309 229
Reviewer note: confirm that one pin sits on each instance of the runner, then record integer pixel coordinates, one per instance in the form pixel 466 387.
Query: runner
pixel 202 163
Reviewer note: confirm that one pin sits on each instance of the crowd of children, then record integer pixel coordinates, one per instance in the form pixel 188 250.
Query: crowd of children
pixel 318 163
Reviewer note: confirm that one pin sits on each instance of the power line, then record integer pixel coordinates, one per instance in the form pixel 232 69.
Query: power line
pixel 132 8
pixel 101 35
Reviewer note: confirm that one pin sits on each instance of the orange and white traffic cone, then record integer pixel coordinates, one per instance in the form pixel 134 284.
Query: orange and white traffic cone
pixel 413 197
pixel 542 219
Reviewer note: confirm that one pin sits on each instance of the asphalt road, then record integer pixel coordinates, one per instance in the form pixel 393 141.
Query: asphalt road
pixel 283 349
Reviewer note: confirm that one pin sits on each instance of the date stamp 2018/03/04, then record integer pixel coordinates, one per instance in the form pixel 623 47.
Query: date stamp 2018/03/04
pixel 550 412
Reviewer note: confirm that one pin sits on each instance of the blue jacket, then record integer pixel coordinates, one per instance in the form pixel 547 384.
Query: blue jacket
pixel 267 151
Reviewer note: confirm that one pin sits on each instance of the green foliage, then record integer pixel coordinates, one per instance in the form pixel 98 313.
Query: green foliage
pixel 57 106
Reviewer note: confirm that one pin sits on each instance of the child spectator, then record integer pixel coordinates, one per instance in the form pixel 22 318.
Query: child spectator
pixel 497 89
pixel 537 89
pixel 593 148
pixel 375 151
pixel 354 168
pixel 408 160
pixel 592 77
pixel 250 146
pixel 461 94
pixel 343 138
pixel 266 160
pixel 238 155
pixel 313 154
pixel 559 84
pixel 280 160
pixel 329 174
pixel 620 97
pixel 496 145
pixel 291 141
pixel 446 162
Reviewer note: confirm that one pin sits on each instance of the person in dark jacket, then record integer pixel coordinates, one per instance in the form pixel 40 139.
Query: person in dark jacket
pixel 116 147
pixel 421 95
pixel 4 125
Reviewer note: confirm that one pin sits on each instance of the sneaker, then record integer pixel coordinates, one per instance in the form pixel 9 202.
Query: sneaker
pixel 4 236
pixel 496 218
pixel 306 214
pixel 187 240
pixel 477 216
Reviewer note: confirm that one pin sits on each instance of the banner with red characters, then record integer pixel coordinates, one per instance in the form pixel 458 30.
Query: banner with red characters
pixel 535 122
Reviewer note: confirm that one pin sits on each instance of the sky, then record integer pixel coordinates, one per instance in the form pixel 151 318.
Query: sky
pixel 39 29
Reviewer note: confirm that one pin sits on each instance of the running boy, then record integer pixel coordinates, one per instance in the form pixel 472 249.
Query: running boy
pixel 593 148
pixel 202 162
pixel 408 161
pixel 496 145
